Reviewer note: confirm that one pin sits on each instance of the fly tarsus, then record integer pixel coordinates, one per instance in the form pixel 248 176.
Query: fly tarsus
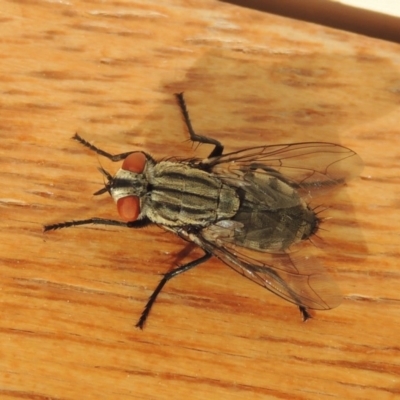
pixel 194 137
pixel 169 275
pixel 112 157
pixel 304 312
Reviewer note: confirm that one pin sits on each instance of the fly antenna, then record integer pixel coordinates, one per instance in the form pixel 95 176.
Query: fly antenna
pixel 107 185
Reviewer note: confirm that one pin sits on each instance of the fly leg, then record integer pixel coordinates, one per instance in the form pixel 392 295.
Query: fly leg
pixel 306 315
pixel 97 221
pixel 194 137
pixel 293 295
pixel 169 275
pixel 114 158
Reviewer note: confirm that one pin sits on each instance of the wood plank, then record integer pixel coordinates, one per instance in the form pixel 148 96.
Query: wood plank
pixel 70 298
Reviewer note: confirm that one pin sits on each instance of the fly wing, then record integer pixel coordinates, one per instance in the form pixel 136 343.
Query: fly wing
pixel 297 278
pixel 309 167
pixel 256 241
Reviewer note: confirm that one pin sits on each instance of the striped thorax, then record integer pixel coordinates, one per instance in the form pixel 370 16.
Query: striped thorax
pixel 171 193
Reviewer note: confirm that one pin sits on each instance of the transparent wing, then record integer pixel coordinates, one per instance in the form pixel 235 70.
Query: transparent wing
pixel 310 167
pixel 297 278
pixel 257 240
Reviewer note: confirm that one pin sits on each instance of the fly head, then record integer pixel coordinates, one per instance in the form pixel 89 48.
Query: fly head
pixel 128 185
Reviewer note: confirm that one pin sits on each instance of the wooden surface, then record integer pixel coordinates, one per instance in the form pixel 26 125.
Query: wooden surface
pixel 70 299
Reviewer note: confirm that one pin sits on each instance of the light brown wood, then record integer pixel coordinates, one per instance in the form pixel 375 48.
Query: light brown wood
pixel 70 299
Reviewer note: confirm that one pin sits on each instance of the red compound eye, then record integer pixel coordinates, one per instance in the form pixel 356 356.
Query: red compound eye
pixel 129 208
pixel 135 162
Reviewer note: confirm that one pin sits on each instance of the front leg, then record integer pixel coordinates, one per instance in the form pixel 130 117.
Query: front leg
pixel 98 221
pixel 112 157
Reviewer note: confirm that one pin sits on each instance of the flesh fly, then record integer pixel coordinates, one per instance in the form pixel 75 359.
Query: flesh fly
pixel 248 208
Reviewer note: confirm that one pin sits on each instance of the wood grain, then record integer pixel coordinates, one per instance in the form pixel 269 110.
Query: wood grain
pixel 70 299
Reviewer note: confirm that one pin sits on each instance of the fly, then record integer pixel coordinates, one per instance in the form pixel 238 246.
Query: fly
pixel 248 208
